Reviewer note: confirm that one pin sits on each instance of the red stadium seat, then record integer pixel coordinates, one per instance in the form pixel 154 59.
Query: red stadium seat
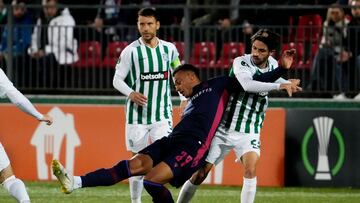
pixel 309 28
pixel 113 52
pixel 229 52
pixel 89 55
pixel 203 54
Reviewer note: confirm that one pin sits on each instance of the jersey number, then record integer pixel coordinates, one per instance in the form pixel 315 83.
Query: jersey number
pixel 255 144
pixel 183 158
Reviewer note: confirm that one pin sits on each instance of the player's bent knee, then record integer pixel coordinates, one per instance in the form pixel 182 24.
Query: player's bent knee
pixel 6 173
pixel 140 164
pixel 250 172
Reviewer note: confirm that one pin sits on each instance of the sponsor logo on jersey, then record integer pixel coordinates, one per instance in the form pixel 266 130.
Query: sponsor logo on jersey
pixel 263 94
pixel 154 76
pixel 243 63
pixel 200 93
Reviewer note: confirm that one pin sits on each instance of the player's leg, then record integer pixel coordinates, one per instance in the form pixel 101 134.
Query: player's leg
pixel 157 131
pixel 137 137
pixel 13 185
pixel 248 148
pixel 190 186
pixel 154 183
pixel 138 165
pixel 218 149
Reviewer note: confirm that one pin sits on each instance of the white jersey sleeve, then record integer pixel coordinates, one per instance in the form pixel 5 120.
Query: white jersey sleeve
pixel 122 69
pixel 8 89
pixel 5 84
pixel 244 72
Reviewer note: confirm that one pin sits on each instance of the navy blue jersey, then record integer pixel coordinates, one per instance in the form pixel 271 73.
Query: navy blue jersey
pixel 204 110
pixel 185 149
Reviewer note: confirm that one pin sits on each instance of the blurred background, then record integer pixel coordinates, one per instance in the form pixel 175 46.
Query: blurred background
pixel 79 56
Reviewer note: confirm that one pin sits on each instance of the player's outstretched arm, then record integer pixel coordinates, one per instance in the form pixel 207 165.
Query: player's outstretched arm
pixel 17 98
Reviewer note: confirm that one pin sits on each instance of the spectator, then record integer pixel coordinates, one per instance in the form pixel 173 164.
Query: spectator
pixel 107 18
pixel 354 44
pixel 21 34
pixel 53 42
pixel 332 55
pixel 211 16
pixel 3 15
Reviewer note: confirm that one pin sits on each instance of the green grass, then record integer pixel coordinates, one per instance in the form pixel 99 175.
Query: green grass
pixel 49 192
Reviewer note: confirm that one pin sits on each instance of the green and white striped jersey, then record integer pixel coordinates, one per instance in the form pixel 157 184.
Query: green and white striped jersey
pixel 245 111
pixel 149 72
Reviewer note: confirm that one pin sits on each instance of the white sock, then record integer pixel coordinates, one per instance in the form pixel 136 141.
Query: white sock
pixel 136 187
pixel 187 192
pixel 248 190
pixel 17 189
pixel 77 182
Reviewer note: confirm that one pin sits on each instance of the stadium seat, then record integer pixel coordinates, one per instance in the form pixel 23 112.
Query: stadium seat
pixel 229 52
pixel 299 62
pixel 89 54
pixel 112 54
pixel 309 28
pixel 203 54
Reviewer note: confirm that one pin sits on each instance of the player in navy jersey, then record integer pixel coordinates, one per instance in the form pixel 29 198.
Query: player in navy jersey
pixel 175 158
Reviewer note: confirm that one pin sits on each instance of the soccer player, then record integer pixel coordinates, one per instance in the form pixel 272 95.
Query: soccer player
pixel 243 118
pixel 174 158
pixel 13 185
pixel 143 74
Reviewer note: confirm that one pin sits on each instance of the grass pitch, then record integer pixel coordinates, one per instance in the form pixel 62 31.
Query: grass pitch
pixel 49 192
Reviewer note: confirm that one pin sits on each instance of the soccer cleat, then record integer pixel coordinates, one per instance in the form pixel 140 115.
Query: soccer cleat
pixel 66 180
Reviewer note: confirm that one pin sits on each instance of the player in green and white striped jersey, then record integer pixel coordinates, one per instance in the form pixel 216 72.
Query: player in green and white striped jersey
pixel 143 74
pixel 244 116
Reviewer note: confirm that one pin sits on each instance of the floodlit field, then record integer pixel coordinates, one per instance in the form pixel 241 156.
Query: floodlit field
pixel 42 192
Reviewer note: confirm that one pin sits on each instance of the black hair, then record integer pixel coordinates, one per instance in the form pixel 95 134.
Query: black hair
pixel 188 67
pixel 149 12
pixel 271 39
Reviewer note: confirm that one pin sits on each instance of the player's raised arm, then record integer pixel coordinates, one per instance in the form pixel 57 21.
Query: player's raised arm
pixel 17 98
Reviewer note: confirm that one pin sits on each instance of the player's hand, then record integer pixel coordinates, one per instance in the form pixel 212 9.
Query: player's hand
pixel 287 58
pixel 183 104
pixel 47 119
pixel 295 85
pixel 138 98
pixel 287 87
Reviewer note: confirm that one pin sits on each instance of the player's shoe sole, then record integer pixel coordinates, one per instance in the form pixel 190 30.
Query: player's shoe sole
pixel 66 180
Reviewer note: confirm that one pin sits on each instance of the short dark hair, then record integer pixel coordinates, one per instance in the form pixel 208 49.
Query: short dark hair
pixel 271 39
pixel 149 12
pixel 19 3
pixel 188 67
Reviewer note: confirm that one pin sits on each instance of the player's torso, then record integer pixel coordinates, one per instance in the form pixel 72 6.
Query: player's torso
pixel 204 110
pixel 245 111
pixel 150 75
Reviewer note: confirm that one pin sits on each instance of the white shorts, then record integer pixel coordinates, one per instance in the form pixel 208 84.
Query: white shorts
pixel 227 139
pixel 138 136
pixel 4 160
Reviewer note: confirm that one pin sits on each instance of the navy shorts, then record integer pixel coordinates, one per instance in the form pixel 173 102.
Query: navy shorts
pixel 181 153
